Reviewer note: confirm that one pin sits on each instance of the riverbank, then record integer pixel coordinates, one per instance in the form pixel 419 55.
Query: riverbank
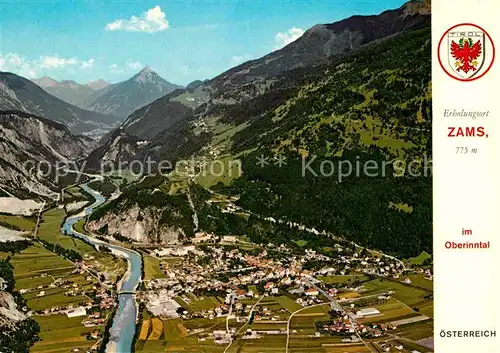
pixel 123 329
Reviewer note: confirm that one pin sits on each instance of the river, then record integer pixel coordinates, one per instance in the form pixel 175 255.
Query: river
pixel 124 323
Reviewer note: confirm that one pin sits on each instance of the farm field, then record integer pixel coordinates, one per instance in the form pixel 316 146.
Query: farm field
pixel 390 311
pixel 343 280
pixel 347 348
pixel 58 333
pixel 194 304
pixel 304 322
pixel 36 266
pixel 50 231
pixel 175 335
pixel 416 331
pixel 152 268
pixel 419 260
pixel 224 170
pixel 420 281
pixel 411 296
pixel 26 224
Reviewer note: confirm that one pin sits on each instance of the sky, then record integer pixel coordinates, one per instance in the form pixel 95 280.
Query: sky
pixel 181 40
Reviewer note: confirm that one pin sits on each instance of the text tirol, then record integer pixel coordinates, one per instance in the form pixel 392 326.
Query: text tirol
pixel 466 131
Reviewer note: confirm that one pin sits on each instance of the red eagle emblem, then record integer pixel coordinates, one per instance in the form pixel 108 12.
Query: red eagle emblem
pixel 466 54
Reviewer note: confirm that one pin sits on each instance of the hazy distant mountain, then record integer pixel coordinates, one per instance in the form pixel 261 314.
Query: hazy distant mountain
pixel 19 93
pixel 123 98
pixel 71 91
pixel 98 85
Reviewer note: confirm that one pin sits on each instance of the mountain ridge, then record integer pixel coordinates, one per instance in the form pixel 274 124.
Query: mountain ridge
pixel 71 91
pixel 224 94
pixel 19 93
pixel 123 98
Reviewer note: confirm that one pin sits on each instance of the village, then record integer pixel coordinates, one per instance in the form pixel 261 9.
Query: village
pixel 251 292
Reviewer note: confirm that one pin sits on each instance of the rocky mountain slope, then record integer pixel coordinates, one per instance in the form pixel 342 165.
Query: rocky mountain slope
pixel 71 91
pixel 146 212
pixel 123 98
pixel 17 331
pixel 28 144
pixel 119 146
pixel 19 93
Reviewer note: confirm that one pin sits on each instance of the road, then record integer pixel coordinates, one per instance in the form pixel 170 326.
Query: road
pixel 229 312
pixel 333 302
pixel 248 321
pixel 37 225
pixel 290 319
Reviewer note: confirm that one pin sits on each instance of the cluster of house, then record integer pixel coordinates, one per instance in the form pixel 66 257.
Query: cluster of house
pixel 344 325
pixel 202 270
pixel 72 288
pixel 94 319
pixel 106 300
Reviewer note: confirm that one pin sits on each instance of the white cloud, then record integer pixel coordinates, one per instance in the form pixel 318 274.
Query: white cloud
pixel 151 21
pixel 87 64
pixel 135 65
pixel 127 67
pixel 115 69
pixel 12 62
pixel 32 68
pixel 285 38
pixel 52 62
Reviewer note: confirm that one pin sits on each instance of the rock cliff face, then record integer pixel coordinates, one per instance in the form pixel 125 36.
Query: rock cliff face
pixel 30 147
pixel 139 225
pixel 17 331
pixel 9 313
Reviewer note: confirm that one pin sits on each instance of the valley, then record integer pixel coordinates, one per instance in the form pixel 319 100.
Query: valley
pixel 282 205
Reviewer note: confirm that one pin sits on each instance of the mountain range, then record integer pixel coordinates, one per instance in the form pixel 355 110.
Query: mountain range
pixel 71 91
pixel 119 99
pixel 183 121
pixel 26 138
pixel 19 93
pixel 357 88
pixel 123 98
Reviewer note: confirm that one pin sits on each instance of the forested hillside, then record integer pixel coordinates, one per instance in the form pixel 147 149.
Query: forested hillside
pixel 373 105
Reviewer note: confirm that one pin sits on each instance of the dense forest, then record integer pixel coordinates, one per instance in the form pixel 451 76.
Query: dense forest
pixel 378 97
pixel 358 208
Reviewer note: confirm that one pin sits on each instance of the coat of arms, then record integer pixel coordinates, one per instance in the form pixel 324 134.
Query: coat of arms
pixel 466 53
pixel 468 50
